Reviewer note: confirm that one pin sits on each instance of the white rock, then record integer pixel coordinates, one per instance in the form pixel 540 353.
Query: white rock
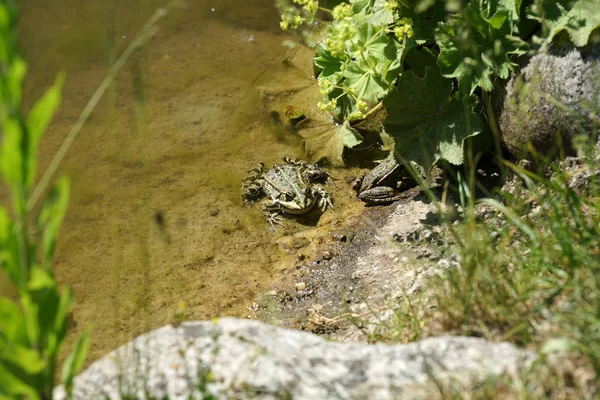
pixel 247 359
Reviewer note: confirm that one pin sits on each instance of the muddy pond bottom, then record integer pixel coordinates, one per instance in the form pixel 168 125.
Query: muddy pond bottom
pixel 156 231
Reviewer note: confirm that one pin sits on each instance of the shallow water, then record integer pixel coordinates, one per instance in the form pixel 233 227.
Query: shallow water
pixel 156 231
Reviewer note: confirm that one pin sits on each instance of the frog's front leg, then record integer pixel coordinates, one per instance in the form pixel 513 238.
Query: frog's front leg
pixel 325 199
pixel 379 195
pixel 272 214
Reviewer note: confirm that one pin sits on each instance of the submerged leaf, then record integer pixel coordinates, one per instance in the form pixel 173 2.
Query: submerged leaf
pixel 323 140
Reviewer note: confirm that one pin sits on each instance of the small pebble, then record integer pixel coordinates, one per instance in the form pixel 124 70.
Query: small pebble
pixel 271 293
pixel 327 255
pixel 214 212
pixel 300 286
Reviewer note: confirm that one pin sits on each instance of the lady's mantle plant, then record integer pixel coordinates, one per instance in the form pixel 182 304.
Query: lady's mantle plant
pixel 32 329
pixel 428 62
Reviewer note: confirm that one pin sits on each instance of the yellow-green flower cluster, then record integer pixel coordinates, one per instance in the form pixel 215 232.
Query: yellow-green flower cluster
pixel 335 41
pixel 326 86
pixel 328 106
pixel 404 28
pixel 341 11
pixel 362 105
pixel 391 5
pixel 293 17
pixel 360 108
pixel 310 6
pixel 291 21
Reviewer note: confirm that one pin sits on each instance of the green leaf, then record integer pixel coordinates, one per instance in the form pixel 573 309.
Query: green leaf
pixel 37 122
pixel 9 250
pixel 14 81
pixel 46 310
pixel 21 359
pixel 373 43
pixel 364 82
pixel 329 65
pixel 579 21
pixel 476 44
pixel 376 66
pixel 427 121
pixel 11 155
pixel 380 16
pixel 326 141
pixel 13 324
pixel 75 360
pixel 51 216
pixel 16 385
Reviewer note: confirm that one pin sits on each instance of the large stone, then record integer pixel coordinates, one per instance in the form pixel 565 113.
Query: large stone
pixel 240 359
pixel 556 93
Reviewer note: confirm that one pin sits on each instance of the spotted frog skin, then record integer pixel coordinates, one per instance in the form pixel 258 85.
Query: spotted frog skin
pixel 380 185
pixel 292 188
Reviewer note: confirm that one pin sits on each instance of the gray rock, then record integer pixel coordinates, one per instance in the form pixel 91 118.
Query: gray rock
pixel 556 92
pixel 241 359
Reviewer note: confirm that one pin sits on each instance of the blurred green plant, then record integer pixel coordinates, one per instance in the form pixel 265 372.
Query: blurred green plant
pixel 446 53
pixel 34 327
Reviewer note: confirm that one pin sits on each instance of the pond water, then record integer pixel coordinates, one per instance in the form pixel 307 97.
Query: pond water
pixel 156 231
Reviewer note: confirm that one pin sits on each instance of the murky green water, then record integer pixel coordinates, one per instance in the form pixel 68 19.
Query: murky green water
pixel 156 230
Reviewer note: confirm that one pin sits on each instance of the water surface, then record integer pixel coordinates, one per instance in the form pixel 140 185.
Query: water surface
pixel 156 231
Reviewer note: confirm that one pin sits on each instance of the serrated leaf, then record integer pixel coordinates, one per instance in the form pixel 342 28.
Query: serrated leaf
pixel 427 121
pixel 329 65
pixel 325 141
pixel 579 21
pixel 375 68
pixel 371 42
pixel 476 44
pixel 364 82
pixel 380 16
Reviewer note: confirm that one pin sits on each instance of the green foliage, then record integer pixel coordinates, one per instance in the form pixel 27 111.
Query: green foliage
pixel 577 18
pixel 477 42
pixel 33 330
pixel 372 52
pixel 428 120
pixel 530 272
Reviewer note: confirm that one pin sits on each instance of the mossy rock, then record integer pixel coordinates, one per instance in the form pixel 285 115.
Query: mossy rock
pixel 554 98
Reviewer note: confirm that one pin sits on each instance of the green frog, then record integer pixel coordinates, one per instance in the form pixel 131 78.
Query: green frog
pixel 382 184
pixel 292 188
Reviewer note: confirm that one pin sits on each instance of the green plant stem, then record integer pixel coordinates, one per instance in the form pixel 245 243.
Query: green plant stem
pixel 373 110
pixel 487 99
pixel 137 42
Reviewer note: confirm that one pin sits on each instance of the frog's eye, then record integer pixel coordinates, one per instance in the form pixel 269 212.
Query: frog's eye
pixel 286 196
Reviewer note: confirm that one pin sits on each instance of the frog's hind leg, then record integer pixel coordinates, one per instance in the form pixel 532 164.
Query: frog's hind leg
pixel 325 199
pixel 252 184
